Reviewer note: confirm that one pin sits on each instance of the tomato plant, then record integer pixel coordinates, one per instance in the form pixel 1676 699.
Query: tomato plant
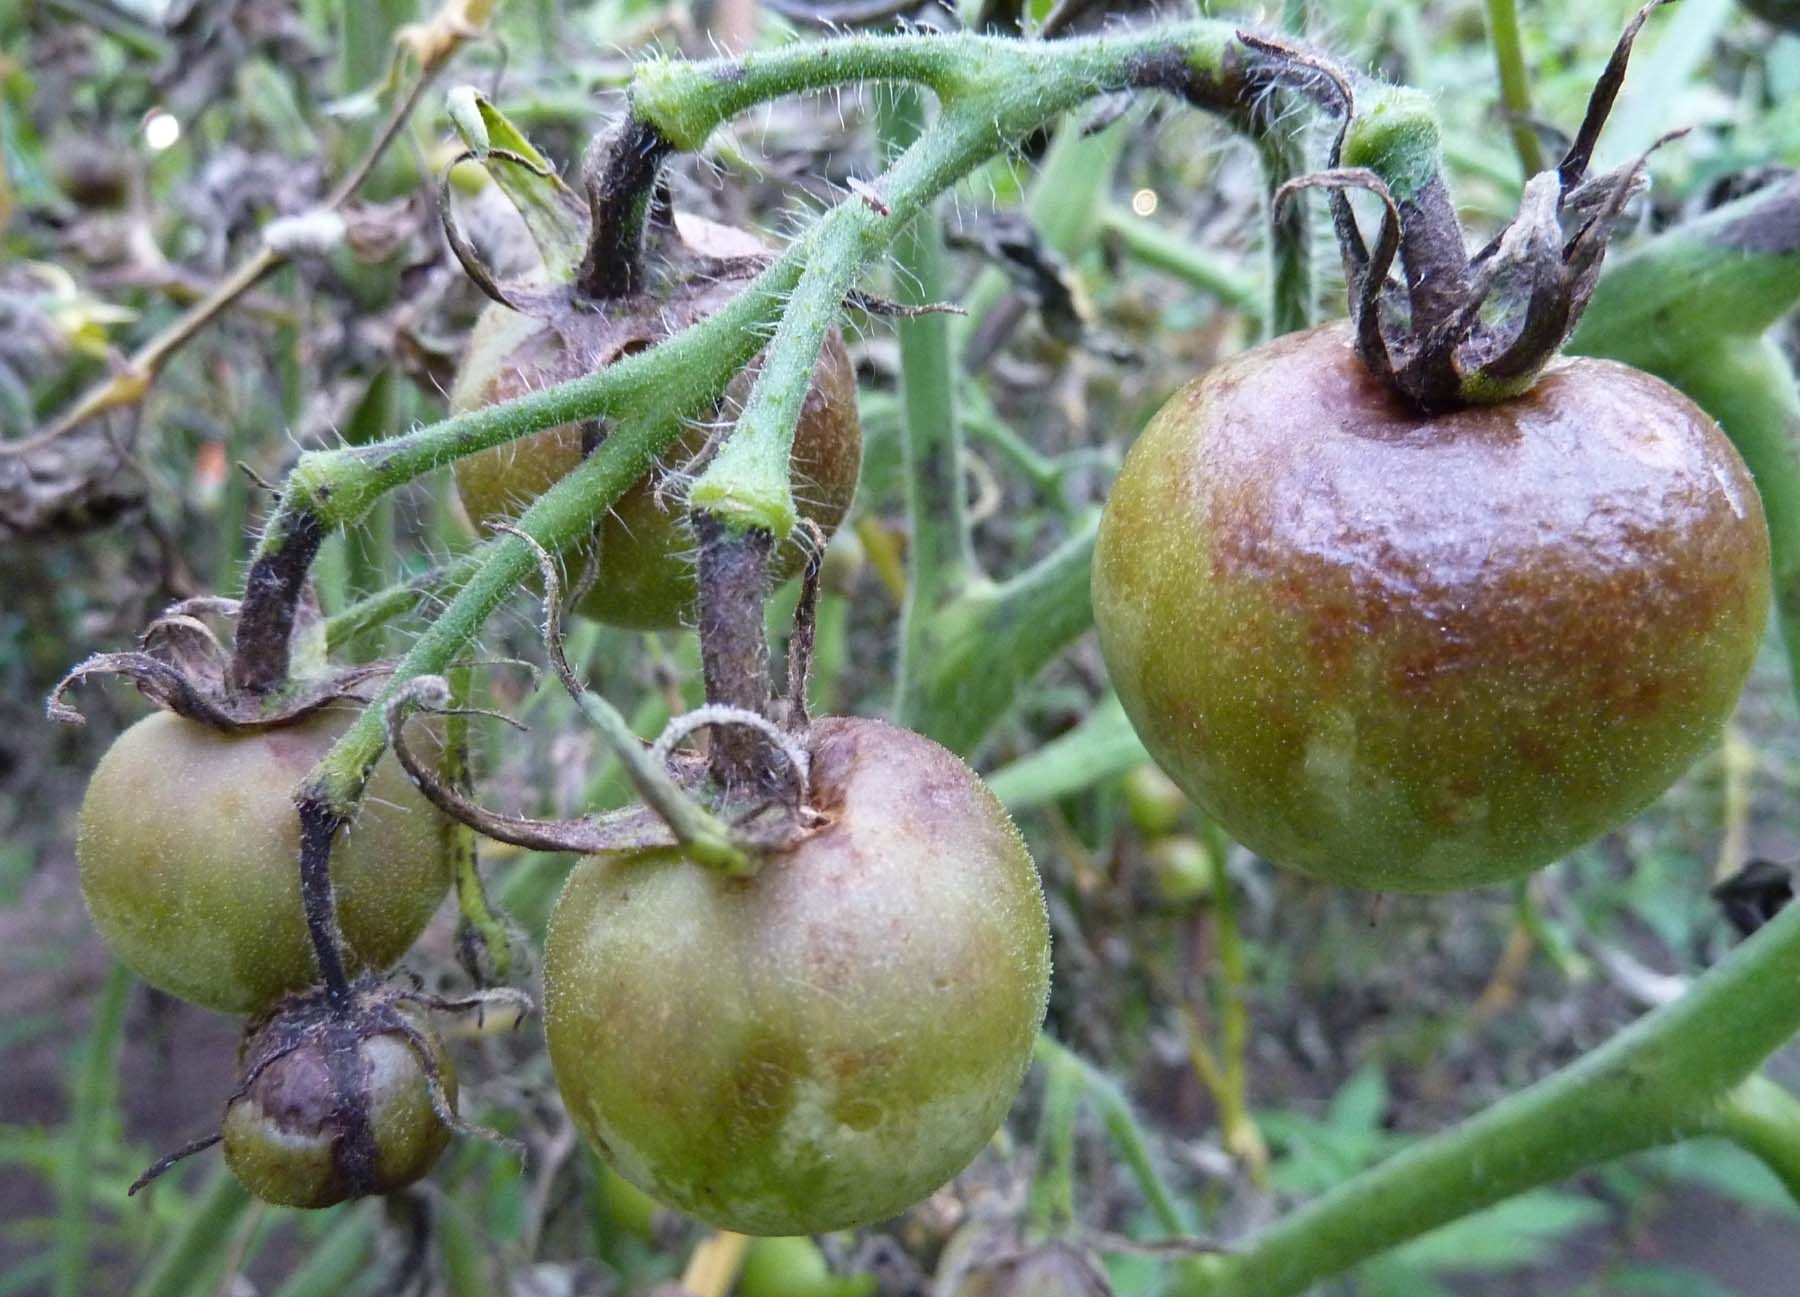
pixel 1423 652
pixel 300 1135
pixel 1412 602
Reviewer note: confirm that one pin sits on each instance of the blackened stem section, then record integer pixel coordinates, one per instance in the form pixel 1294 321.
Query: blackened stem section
pixel 319 825
pixel 272 591
pixel 1434 256
pixel 621 172
pixel 353 1151
pixel 734 647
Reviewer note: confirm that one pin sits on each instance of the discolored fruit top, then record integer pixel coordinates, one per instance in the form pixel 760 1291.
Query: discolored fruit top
pixel 827 1042
pixel 1416 652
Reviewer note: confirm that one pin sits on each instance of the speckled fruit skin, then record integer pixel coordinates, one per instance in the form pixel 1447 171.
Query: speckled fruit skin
pixel 646 574
pixel 189 846
pixel 281 1135
pixel 824 1044
pixel 1417 653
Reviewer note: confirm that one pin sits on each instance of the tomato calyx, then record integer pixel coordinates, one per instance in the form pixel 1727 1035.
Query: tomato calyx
pixel 182 667
pixel 1458 330
pixel 311 1121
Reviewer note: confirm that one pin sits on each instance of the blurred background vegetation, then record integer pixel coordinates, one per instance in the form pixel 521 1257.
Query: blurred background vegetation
pixel 1274 1035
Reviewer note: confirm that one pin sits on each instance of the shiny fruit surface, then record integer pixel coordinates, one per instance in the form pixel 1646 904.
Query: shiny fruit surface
pixel 1419 653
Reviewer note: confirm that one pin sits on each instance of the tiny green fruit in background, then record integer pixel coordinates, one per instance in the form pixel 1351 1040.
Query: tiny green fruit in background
pixel 825 1043
pixel 1419 652
pixel 189 845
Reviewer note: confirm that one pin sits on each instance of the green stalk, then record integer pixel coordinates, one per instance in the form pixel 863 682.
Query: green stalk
pixel 1764 1119
pixel 1281 148
pixel 985 644
pixel 1666 1078
pixel 1515 82
pixel 1145 241
pixel 1122 1125
pixel 1102 746
pixel 939 558
pixel 196 1250
pixel 1052 1202
pixel 96 1084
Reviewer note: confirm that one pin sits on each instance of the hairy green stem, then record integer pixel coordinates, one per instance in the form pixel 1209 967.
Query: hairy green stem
pixel 1666 1078
pixel 1281 148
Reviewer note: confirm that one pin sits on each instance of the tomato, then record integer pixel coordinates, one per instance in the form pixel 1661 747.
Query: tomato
pixel 284 1137
pixel 1418 653
pixel 189 846
pixel 645 575
pixel 825 1043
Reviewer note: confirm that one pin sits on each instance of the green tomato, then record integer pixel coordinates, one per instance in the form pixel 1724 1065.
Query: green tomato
pixel 284 1136
pixel 1184 869
pixel 1154 801
pixel 1418 653
pixel 795 1267
pixel 826 1043
pixel 189 845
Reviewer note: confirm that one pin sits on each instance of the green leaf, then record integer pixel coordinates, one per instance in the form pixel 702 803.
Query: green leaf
pixel 554 215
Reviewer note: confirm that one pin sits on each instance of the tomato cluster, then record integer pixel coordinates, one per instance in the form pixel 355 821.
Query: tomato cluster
pixel 1386 638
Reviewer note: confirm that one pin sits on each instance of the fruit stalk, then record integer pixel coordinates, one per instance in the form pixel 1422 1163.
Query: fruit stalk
pixel 734 649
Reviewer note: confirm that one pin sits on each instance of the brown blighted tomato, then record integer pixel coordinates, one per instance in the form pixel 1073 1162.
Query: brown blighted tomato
pixel 189 845
pixel 313 1130
pixel 645 574
pixel 1419 653
pixel 825 1043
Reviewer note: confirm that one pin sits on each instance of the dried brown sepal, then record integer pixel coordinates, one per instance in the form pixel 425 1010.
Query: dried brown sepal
pixel 1463 330
pixel 622 831
pixel 181 666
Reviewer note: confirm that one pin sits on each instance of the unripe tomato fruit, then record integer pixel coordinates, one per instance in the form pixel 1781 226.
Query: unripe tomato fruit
pixel 285 1136
pixel 189 845
pixel 825 1043
pixel 645 574
pixel 1419 653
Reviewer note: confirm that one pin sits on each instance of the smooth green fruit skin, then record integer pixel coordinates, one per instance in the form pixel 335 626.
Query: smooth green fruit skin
pixel 826 1043
pixel 281 1138
pixel 189 846
pixel 1415 653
